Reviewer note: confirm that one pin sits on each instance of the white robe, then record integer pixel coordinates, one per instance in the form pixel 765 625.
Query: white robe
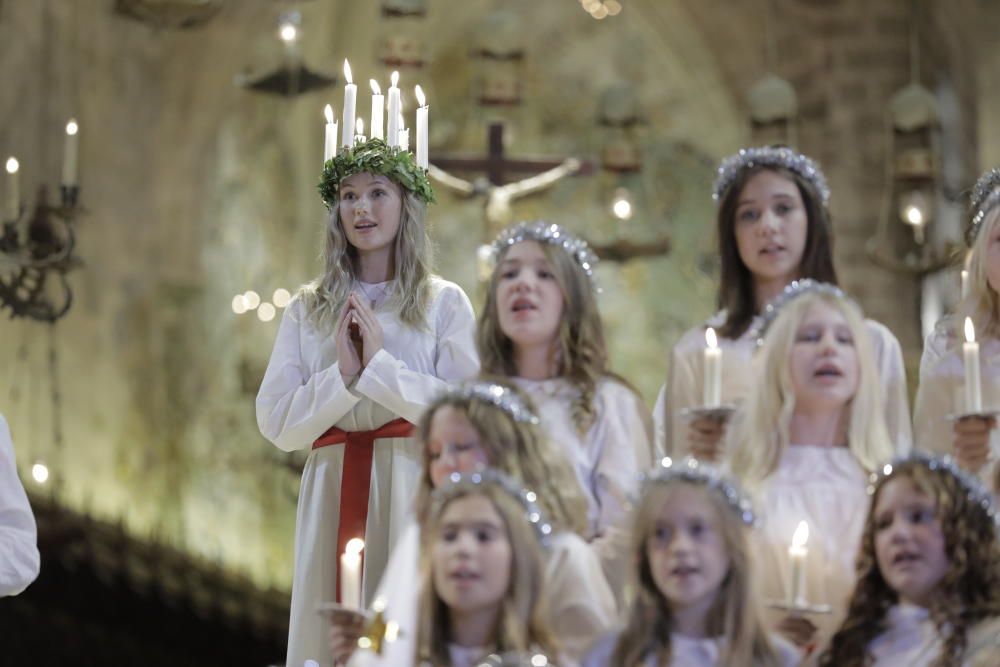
pixel 686 652
pixel 19 559
pixel 685 381
pixel 303 395
pixel 911 638
pixel 941 392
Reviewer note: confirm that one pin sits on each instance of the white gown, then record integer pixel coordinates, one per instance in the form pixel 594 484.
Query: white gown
pixel 826 487
pixel 19 559
pixel 941 392
pixel 684 385
pixel 912 639
pixel 685 652
pixel 303 395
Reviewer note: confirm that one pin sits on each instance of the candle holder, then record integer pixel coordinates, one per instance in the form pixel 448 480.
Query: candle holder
pixel 720 413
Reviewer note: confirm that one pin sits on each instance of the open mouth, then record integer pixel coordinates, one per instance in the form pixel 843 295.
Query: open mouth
pixel 905 558
pixel 772 249
pixel 522 304
pixel 364 225
pixel 828 370
pixel 463 576
pixel 683 571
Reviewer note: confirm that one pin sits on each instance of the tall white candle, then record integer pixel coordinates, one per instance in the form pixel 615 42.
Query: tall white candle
pixel 797 553
pixel 330 139
pixel 712 391
pixel 359 132
pixel 395 109
pixel 378 110
pixel 350 574
pixel 970 352
pixel 404 139
pixel 350 106
pixel 422 158
pixel 70 153
pixel 12 210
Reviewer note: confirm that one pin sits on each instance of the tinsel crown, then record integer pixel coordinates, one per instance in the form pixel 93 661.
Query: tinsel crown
pixel 376 157
pixel 985 197
pixel 553 234
pixel 497 395
pixel 692 470
pixel 769 156
pixel 792 291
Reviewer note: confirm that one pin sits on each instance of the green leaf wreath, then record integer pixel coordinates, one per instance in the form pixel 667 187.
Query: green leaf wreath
pixel 374 157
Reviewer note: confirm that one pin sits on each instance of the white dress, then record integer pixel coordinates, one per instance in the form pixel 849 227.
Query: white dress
pixel 826 487
pixel 686 652
pixel 684 385
pixel 941 392
pixel 19 559
pixel 303 395
pixel 912 639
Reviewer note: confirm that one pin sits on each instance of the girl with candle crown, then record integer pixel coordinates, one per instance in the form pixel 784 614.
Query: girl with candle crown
pixel 804 441
pixel 541 327
pixel 928 587
pixel 773 226
pixel 361 351
pixel 695 602
pixel 971 440
pixel 490 424
pixel 482 573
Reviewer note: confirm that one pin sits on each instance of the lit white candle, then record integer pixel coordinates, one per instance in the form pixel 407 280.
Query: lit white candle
pixel 350 574
pixel 13 209
pixel 69 153
pixel 970 352
pixel 394 110
pixel 965 283
pixel 359 132
pixel 404 135
pixel 350 105
pixel 378 110
pixel 330 140
pixel 797 553
pixel 712 391
pixel 421 129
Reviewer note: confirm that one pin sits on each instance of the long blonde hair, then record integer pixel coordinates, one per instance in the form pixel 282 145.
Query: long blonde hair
pixel 734 615
pixel 760 435
pixel 982 303
pixel 516 448
pixel 522 625
pixel 581 352
pixel 324 297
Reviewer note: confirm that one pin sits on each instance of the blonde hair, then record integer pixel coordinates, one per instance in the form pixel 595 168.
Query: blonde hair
pixel 521 626
pixel 982 303
pixel 734 615
pixel 518 449
pixel 324 297
pixel 581 352
pixel 761 435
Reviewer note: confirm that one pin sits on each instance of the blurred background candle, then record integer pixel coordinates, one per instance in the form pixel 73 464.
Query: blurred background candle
pixel 970 353
pixel 69 154
pixel 13 208
pixel 712 394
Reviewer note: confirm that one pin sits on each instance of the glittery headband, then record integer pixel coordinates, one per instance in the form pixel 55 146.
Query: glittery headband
pixel 496 395
pixel 527 498
pixel 768 156
pixel 692 470
pixel 792 291
pixel 516 659
pixel 977 493
pixel 553 234
pixel 985 197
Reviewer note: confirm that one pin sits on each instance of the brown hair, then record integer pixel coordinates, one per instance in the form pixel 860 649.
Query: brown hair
pixel 736 283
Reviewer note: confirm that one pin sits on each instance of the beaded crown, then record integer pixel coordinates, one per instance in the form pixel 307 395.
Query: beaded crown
pixel 769 156
pixel 553 234
pixel 690 469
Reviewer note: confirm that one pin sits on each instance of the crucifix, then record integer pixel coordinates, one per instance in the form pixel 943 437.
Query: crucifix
pixel 499 193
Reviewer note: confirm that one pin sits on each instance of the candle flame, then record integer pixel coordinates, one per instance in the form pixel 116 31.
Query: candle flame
pixel 355 545
pixel 12 165
pixel 71 127
pixel 420 96
pixel 801 536
pixel 359 126
pixel 391 631
pixel 328 112
pixel 347 72
pixel 375 89
pixel 394 78
pixel 970 331
pixel 710 338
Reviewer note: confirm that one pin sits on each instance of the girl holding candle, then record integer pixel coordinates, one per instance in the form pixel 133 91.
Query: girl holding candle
pixel 808 435
pixel 773 226
pixel 541 327
pixel 360 352
pixel 928 588
pixel 956 372
pixel 695 602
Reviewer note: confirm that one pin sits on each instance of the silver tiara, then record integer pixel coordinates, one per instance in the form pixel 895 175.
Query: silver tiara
pixel 769 156
pixel 496 395
pixel 692 470
pixel 792 291
pixel 527 498
pixel 553 234
pixel 516 659
pixel 985 197
pixel 974 489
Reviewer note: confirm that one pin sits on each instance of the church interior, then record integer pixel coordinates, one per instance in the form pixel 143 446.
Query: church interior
pixel 146 260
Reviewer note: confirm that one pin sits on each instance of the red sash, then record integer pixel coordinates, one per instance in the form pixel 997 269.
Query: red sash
pixel 356 478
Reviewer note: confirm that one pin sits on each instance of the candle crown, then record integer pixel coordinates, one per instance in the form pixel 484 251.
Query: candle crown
pixel 692 470
pixel 376 157
pixel 792 291
pixel 553 234
pixel 769 156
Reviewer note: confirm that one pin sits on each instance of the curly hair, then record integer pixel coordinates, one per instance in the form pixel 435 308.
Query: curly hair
pixel 967 594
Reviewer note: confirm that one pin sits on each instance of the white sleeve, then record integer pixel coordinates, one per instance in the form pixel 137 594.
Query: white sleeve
pixel 387 380
pixel 892 372
pixel 19 559
pixel 295 407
